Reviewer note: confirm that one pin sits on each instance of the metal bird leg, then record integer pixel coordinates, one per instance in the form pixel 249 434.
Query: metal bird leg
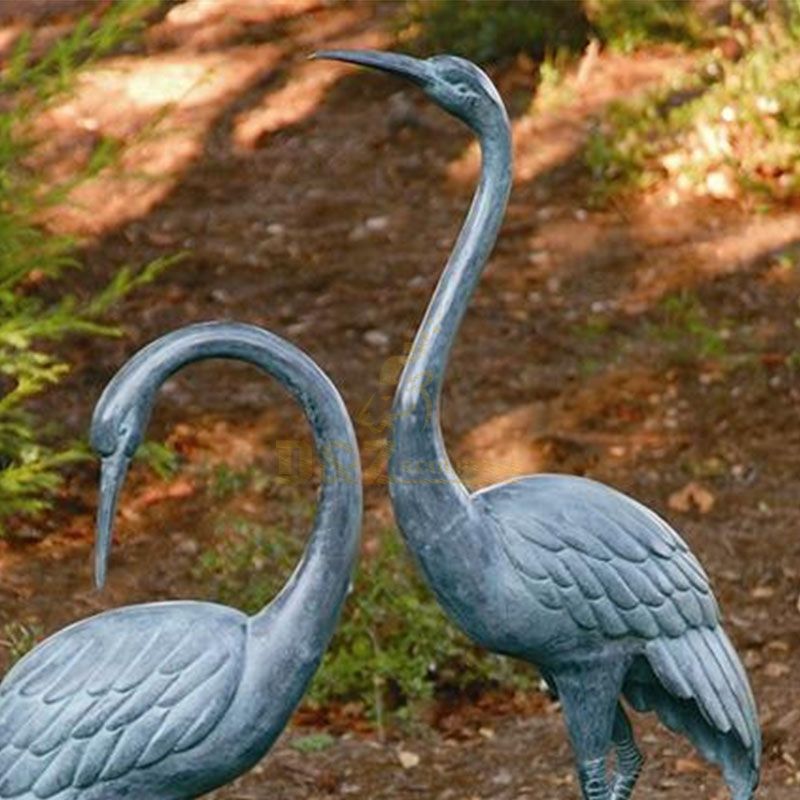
pixel 629 759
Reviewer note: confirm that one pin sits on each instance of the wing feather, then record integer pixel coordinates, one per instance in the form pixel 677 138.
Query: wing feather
pixel 604 554
pixel 115 693
pixel 601 557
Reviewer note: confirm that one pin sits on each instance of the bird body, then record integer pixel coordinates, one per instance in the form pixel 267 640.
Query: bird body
pixel 589 585
pixel 167 701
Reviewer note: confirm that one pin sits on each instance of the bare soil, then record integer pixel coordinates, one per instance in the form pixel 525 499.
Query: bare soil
pixel 321 203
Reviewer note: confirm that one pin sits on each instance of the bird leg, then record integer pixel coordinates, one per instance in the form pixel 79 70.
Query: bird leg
pixel 588 691
pixel 593 779
pixel 629 758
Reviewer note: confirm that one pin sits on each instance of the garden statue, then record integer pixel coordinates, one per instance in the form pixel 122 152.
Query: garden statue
pixel 587 584
pixel 167 701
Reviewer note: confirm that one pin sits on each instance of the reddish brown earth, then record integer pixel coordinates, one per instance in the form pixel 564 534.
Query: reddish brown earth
pixel 321 203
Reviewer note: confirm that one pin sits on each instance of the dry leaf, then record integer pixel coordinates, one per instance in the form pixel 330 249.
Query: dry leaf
pixel 687 765
pixel 408 760
pixel 693 495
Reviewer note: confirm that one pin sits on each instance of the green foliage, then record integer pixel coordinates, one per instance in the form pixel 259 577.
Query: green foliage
pixel 628 24
pixel 33 261
pixel 18 638
pixel 554 91
pixel 250 564
pixel 312 743
pixel 685 330
pixel 727 129
pixel 393 646
pixel 491 31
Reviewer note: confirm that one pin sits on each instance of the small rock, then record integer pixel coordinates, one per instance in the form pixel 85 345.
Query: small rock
pixel 376 338
pixel 503 778
pixel 539 258
pixel 187 546
pixel 408 760
pixel 377 224
pixel 297 329
pixel 774 669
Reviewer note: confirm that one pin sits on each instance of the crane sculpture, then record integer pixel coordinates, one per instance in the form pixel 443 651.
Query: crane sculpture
pixel 167 701
pixel 589 585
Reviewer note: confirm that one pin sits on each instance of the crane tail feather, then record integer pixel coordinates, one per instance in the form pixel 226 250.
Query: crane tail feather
pixel 700 662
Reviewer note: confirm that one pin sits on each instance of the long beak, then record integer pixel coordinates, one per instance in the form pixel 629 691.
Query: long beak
pixel 112 475
pixel 413 69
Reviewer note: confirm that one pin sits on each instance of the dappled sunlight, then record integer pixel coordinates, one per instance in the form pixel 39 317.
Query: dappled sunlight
pixel 204 24
pixel 158 111
pixel 698 254
pixel 607 421
pixel 302 93
pixel 545 138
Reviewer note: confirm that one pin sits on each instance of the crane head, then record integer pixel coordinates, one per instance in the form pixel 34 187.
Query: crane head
pixel 118 424
pixel 457 85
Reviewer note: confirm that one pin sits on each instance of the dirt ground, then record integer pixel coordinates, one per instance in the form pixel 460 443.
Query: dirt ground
pixel 321 203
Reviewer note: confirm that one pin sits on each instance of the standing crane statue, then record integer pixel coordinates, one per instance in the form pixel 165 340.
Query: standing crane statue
pixel 167 701
pixel 589 585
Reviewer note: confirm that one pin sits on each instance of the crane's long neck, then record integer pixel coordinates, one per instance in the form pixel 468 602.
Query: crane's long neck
pixel 438 519
pixel 309 604
pixel 418 451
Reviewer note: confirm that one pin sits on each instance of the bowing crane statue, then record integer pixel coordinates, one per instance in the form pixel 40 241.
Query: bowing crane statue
pixel 589 585
pixel 167 701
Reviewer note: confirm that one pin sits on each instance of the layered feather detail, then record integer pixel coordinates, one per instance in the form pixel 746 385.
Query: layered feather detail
pixel 115 694
pixel 621 574
pixel 700 690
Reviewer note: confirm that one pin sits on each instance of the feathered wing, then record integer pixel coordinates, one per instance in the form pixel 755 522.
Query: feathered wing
pixel 618 569
pixel 116 693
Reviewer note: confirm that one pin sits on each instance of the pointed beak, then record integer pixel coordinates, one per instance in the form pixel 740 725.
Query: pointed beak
pixel 112 475
pixel 413 69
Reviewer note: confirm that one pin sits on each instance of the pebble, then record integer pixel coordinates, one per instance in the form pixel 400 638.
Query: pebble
pixel 377 223
pixel 376 338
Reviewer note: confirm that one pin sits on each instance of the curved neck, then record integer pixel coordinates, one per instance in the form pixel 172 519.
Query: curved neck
pixel 323 575
pixel 417 432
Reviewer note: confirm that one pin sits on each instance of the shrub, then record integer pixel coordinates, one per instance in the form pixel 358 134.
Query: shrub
pixel 33 259
pixel 393 646
pixel 726 129
pixel 627 24
pixel 491 31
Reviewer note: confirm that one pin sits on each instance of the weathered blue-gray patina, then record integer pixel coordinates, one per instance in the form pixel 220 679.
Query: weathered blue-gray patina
pixel 167 701
pixel 586 583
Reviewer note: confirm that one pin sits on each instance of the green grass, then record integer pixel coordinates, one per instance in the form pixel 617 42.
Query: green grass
pixel 312 743
pixel 685 333
pixel 728 130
